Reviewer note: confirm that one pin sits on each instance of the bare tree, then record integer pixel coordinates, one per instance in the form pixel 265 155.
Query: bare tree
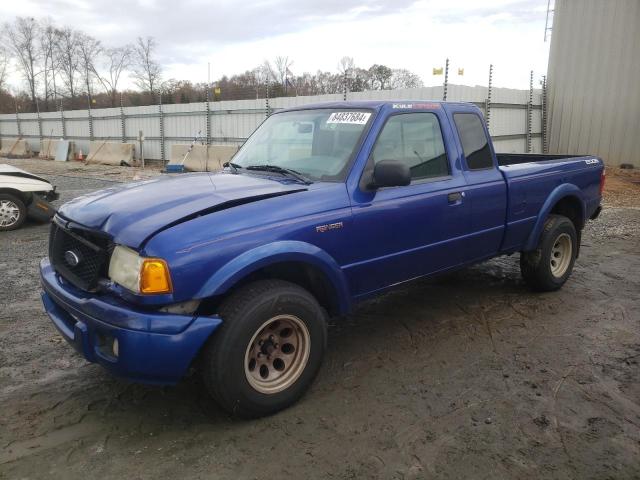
pixel 380 76
pixel 346 65
pixel 116 61
pixel 68 54
pixel 4 62
pixel 22 38
pixel 88 50
pixel 255 79
pixel 282 65
pixel 360 80
pixel 47 45
pixel 267 72
pixel 146 70
pixel 259 75
pixel 403 78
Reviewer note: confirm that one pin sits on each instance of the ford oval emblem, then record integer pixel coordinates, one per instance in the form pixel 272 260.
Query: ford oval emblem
pixel 72 258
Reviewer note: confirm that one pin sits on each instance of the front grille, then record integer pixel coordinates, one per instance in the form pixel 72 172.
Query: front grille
pixel 80 256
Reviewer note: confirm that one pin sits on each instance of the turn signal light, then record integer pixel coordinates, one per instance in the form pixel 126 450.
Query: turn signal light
pixel 155 277
pixel 603 177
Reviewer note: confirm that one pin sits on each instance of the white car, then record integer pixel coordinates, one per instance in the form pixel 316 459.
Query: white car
pixel 22 195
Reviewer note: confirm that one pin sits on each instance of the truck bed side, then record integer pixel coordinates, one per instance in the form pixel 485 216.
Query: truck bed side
pixel 505 159
pixel 567 185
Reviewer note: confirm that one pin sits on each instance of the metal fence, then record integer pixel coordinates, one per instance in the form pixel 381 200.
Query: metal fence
pixel 515 119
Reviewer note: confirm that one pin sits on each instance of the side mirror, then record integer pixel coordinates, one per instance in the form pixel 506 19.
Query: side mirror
pixel 390 173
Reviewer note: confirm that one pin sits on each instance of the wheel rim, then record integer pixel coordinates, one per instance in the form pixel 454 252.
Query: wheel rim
pixel 561 255
pixel 9 213
pixel 277 354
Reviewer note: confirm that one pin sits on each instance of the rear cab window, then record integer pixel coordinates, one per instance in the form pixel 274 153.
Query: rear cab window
pixel 473 138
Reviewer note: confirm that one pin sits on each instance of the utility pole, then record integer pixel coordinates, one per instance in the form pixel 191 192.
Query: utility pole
pixel 345 85
pixel 268 112
pixel 530 112
pixel 487 107
pixel 446 80
pixel 17 118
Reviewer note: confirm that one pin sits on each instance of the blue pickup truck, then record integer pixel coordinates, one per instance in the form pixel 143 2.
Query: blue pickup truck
pixel 235 273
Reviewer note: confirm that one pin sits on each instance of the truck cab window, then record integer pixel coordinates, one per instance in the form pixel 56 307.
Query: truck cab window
pixel 414 139
pixel 474 141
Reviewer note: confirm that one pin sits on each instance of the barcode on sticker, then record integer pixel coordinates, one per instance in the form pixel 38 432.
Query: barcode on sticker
pixel 354 118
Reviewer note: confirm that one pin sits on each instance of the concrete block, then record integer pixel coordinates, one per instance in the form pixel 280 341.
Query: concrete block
pixel 15 148
pixel 203 158
pixel 47 149
pixel 110 153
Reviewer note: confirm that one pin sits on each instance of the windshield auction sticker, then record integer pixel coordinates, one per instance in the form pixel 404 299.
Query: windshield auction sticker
pixel 354 118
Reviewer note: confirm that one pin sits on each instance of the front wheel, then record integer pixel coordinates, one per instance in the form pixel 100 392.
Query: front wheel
pixel 268 350
pixel 549 266
pixel 13 212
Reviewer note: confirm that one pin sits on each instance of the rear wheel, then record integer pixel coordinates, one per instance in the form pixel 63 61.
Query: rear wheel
pixel 268 350
pixel 549 266
pixel 13 212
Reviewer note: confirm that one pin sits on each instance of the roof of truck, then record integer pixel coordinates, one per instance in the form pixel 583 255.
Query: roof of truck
pixel 377 104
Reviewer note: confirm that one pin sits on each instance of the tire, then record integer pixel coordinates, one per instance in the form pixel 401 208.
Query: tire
pixel 248 316
pixel 548 267
pixel 10 205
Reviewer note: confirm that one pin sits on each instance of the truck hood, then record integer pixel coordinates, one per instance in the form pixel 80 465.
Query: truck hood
pixel 134 212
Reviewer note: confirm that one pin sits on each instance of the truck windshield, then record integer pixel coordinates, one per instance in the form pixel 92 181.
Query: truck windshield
pixel 317 144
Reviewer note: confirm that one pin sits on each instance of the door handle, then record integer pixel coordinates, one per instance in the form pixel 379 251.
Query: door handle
pixel 455 198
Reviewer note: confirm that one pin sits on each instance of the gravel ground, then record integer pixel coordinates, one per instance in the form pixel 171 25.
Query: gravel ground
pixel 467 376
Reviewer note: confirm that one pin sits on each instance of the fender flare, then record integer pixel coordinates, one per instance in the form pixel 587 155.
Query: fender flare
pixel 562 191
pixel 281 251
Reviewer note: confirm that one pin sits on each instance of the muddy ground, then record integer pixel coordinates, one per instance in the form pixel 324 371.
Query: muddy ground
pixel 467 376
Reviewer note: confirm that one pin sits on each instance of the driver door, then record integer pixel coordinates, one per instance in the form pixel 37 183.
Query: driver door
pixel 410 231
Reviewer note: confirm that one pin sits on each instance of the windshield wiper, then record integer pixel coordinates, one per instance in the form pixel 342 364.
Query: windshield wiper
pixel 282 170
pixel 232 166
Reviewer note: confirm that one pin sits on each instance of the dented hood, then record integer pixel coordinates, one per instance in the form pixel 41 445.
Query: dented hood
pixel 132 213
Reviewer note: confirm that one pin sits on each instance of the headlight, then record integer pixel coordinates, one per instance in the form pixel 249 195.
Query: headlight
pixel 139 274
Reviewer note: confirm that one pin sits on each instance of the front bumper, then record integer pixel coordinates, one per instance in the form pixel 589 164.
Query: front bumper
pixel 40 209
pixel 153 347
pixel 51 195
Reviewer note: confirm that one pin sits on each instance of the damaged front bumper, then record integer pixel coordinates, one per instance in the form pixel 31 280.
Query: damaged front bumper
pixel 139 345
pixel 40 209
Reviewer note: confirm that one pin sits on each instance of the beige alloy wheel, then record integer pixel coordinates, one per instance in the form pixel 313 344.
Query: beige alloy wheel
pixel 561 255
pixel 277 354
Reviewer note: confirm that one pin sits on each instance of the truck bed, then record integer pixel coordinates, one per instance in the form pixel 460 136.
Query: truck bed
pixel 516 158
pixel 535 181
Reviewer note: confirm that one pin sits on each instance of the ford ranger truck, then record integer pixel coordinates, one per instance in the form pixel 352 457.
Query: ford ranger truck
pixel 234 274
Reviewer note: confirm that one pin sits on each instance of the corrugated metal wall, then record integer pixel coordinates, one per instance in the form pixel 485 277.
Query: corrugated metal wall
pixel 231 122
pixel 594 80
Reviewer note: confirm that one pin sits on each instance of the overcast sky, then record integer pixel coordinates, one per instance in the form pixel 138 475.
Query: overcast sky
pixel 236 35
